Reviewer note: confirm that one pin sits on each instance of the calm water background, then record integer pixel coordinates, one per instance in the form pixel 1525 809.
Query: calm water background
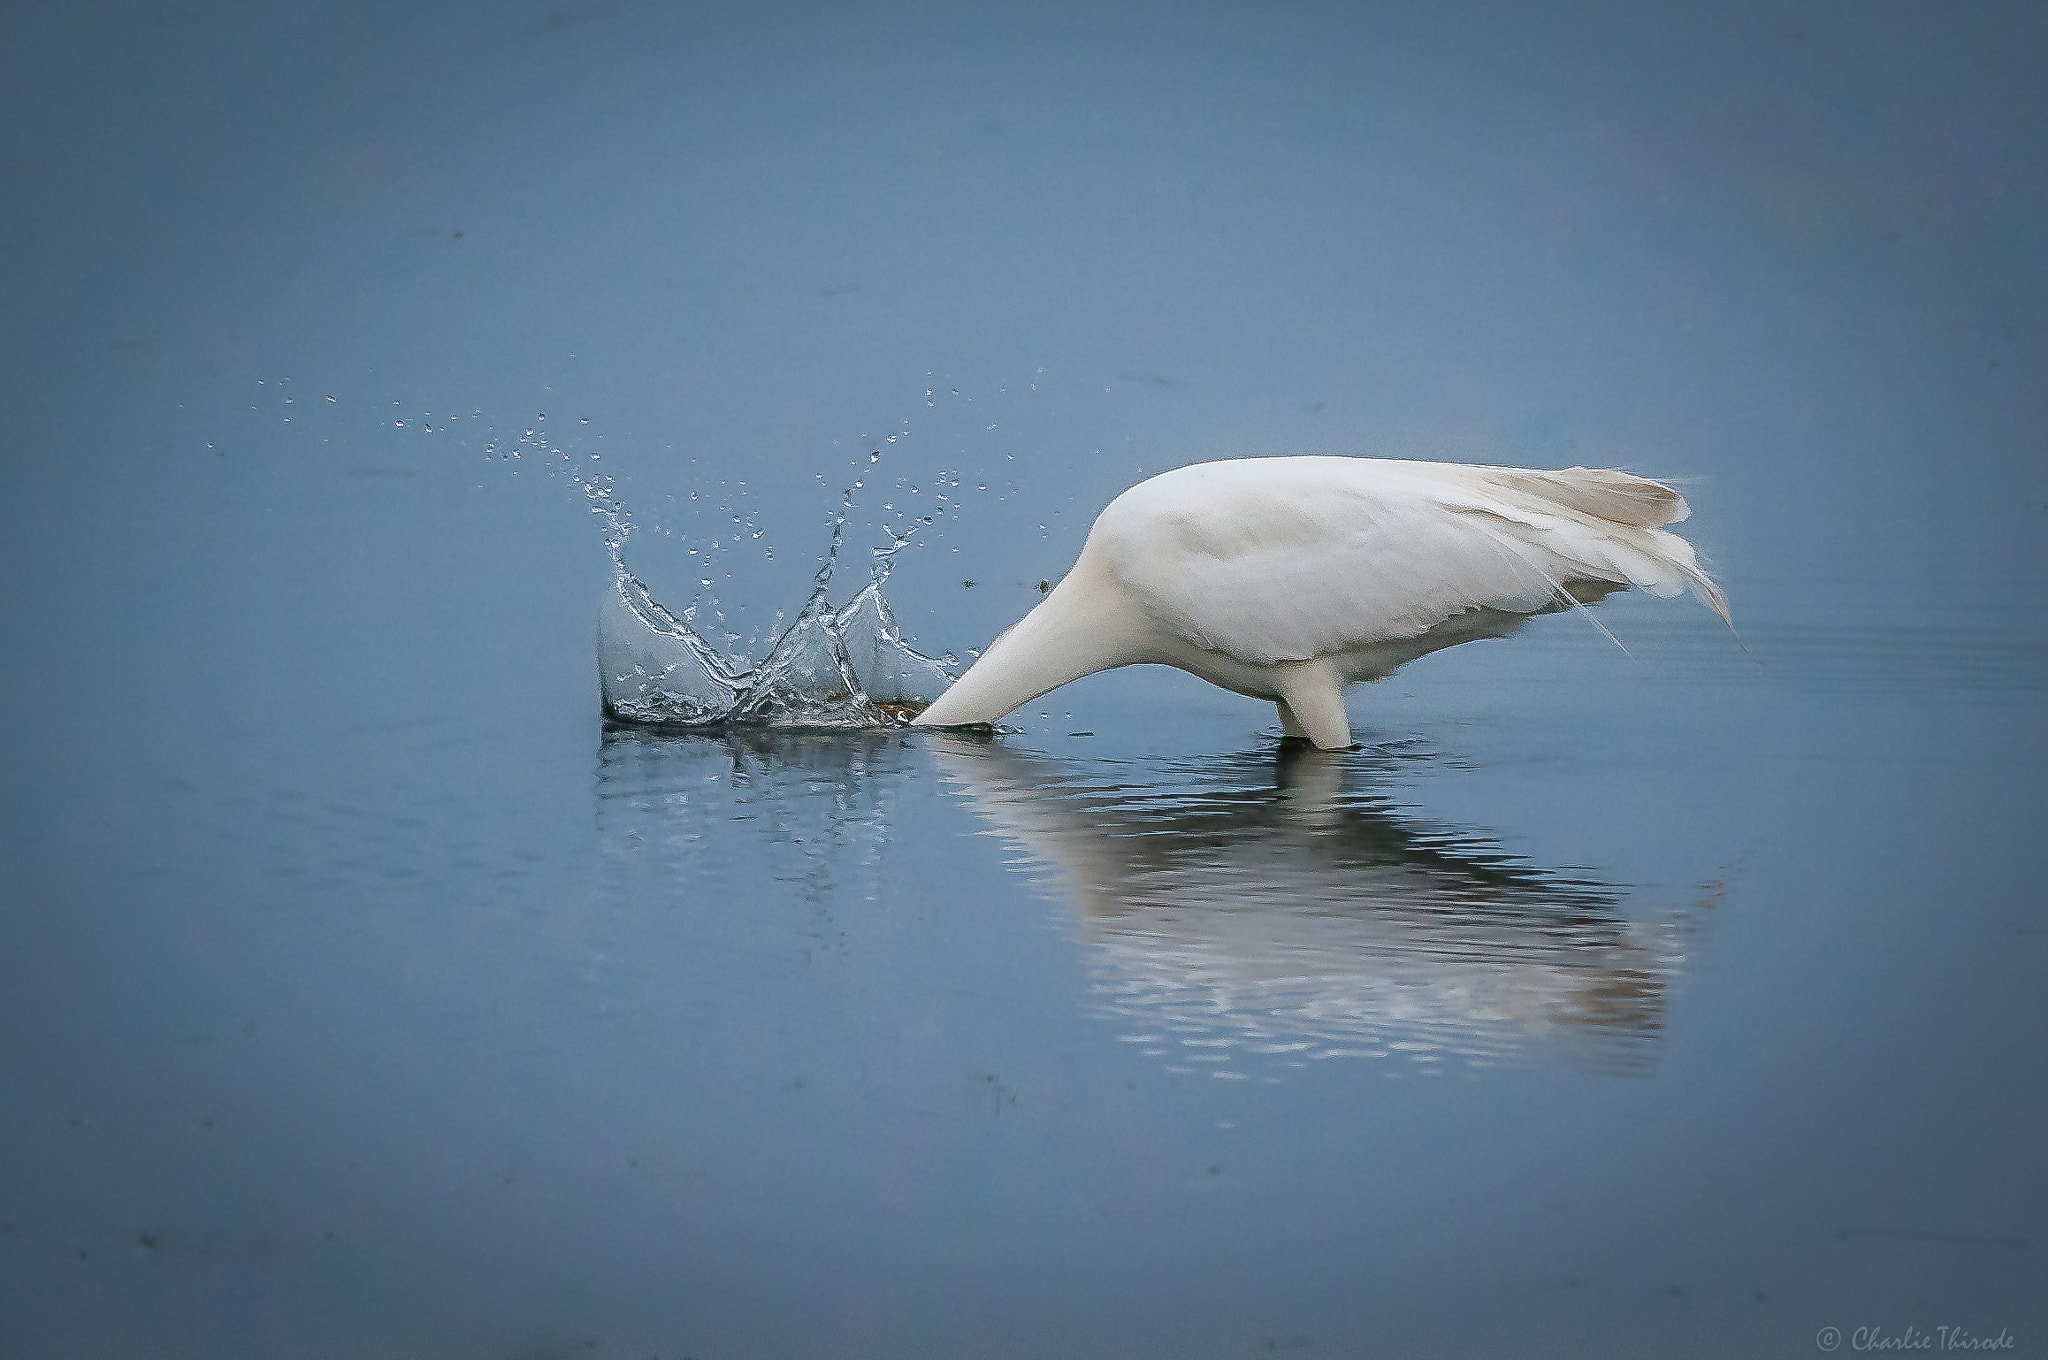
pixel 360 994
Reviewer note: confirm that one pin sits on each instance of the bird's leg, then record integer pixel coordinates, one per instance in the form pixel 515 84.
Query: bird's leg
pixel 1290 726
pixel 1312 695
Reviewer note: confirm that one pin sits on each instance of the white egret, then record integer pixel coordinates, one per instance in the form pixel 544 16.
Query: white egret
pixel 1289 578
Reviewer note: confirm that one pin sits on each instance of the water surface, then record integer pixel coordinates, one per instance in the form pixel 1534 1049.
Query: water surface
pixel 1128 1033
pixel 364 992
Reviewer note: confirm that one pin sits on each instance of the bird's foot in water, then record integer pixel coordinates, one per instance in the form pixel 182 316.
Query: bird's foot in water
pixel 1291 742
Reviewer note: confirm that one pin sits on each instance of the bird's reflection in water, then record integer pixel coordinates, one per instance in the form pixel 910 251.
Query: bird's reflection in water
pixel 1251 915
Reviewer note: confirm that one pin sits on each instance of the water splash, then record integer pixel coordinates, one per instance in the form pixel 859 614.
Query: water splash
pixel 832 667
pixel 843 667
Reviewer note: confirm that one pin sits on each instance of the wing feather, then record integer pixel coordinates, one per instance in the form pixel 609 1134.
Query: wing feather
pixel 1283 559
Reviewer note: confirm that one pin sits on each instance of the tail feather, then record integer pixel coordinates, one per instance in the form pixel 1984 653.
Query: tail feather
pixel 1598 493
pixel 1608 525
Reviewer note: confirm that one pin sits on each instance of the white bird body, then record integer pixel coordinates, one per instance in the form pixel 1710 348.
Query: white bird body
pixel 1290 578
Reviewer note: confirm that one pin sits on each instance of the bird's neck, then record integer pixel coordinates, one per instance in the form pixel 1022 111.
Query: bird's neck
pixel 1086 625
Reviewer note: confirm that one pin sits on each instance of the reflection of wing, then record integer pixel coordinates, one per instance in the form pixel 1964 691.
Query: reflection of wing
pixel 1234 917
pixel 1282 559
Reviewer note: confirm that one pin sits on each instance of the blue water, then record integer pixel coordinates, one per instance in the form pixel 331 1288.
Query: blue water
pixel 1674 1002
pixel 363 992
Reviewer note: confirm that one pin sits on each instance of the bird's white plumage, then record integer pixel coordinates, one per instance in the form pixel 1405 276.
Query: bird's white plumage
pixel 1285 559
pixel 1288 578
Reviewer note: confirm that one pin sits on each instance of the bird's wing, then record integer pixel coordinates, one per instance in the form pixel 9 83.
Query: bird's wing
pixel 1283 559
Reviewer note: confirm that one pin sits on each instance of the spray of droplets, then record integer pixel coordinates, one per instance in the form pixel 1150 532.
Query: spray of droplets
pixel 831 666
